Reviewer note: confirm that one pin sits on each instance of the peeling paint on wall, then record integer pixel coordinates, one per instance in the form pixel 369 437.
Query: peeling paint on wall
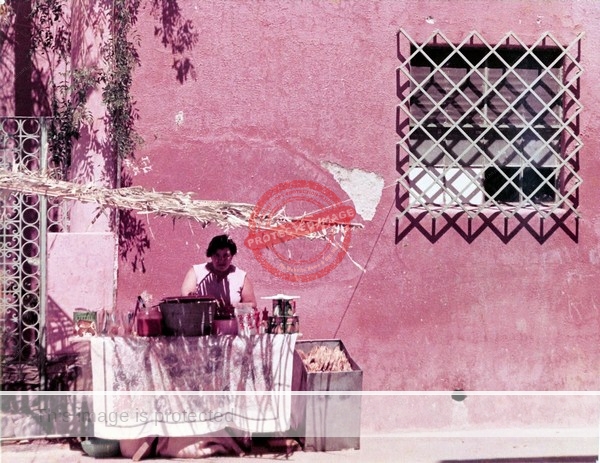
pixel 364 188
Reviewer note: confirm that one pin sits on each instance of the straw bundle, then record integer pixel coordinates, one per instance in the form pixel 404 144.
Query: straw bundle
pixel 176 204
pixel 324 358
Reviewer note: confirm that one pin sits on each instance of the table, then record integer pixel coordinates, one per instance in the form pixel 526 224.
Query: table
pixel 189 386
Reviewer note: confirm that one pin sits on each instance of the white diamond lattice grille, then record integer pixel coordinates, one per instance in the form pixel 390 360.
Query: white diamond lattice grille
pixel 486 126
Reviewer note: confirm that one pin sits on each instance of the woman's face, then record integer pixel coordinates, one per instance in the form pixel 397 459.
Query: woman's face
pixel 221 259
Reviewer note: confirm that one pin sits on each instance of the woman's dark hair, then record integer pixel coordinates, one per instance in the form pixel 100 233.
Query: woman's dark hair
pixel 221 242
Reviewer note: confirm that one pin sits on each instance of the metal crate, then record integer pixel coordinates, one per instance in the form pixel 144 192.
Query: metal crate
pixel 327 422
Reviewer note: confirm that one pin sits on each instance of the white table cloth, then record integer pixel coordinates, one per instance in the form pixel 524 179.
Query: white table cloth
pixel 176 386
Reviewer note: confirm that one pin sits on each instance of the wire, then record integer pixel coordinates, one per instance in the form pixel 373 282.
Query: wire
pixel 365 267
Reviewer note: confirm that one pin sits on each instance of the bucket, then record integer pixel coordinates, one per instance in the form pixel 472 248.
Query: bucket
pixel 187 315
pixel 221 327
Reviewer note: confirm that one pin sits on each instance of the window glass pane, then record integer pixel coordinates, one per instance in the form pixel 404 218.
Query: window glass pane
pixel 439 102
pixel 546 106
pixel 460 146
pixel 427 184
pixel 524 87
pixel 464 185
pixel 518 98
pixel 497 186
pixel 447 92
pixel 538 150
pixel 504 153
pixel 533 178
pixel 423 149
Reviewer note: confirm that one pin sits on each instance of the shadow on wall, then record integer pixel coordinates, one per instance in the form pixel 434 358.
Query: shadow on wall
pixel 29 90
pixel 7 67
pixel 133 236
pixel 59 329
pixel 65 358
pixel 433 228
pixel 176 33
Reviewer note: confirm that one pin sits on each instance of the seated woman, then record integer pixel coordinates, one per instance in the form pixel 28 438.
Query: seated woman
pixel 219 278
pixel 229 285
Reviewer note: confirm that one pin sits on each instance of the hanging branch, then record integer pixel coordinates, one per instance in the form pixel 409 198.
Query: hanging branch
pixel 121 57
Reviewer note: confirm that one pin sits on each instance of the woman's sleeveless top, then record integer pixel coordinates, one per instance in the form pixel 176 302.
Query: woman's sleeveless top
pixel 228 290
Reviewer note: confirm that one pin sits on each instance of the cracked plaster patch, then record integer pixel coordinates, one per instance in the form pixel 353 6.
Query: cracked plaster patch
pixel 364 188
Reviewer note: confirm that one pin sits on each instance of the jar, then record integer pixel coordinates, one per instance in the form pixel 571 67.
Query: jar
pixel 149 322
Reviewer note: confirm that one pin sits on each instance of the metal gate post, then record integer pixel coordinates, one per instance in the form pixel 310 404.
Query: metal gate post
pixel 43 268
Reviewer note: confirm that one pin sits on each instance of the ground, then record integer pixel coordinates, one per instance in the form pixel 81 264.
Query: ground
pixel 499 446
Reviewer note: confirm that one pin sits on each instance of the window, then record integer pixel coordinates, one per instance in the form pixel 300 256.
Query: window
pixel 487 126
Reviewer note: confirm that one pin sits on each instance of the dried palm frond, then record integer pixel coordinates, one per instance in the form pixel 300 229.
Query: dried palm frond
pixel 176 204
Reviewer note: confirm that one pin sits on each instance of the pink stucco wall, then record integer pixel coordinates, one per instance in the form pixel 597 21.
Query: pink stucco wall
pixel 279 90
pixel 80 267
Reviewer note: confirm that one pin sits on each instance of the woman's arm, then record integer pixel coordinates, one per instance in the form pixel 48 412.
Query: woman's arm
pixel 248 292
pixel 189 283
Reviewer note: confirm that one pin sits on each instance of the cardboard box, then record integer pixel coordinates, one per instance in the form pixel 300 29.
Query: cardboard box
pixel 327 422
pixel 85 322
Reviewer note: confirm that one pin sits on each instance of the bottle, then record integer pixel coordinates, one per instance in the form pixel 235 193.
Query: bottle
pixel 264 324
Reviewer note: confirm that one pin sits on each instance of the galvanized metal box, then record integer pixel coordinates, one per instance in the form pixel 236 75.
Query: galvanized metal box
pixel 328 421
